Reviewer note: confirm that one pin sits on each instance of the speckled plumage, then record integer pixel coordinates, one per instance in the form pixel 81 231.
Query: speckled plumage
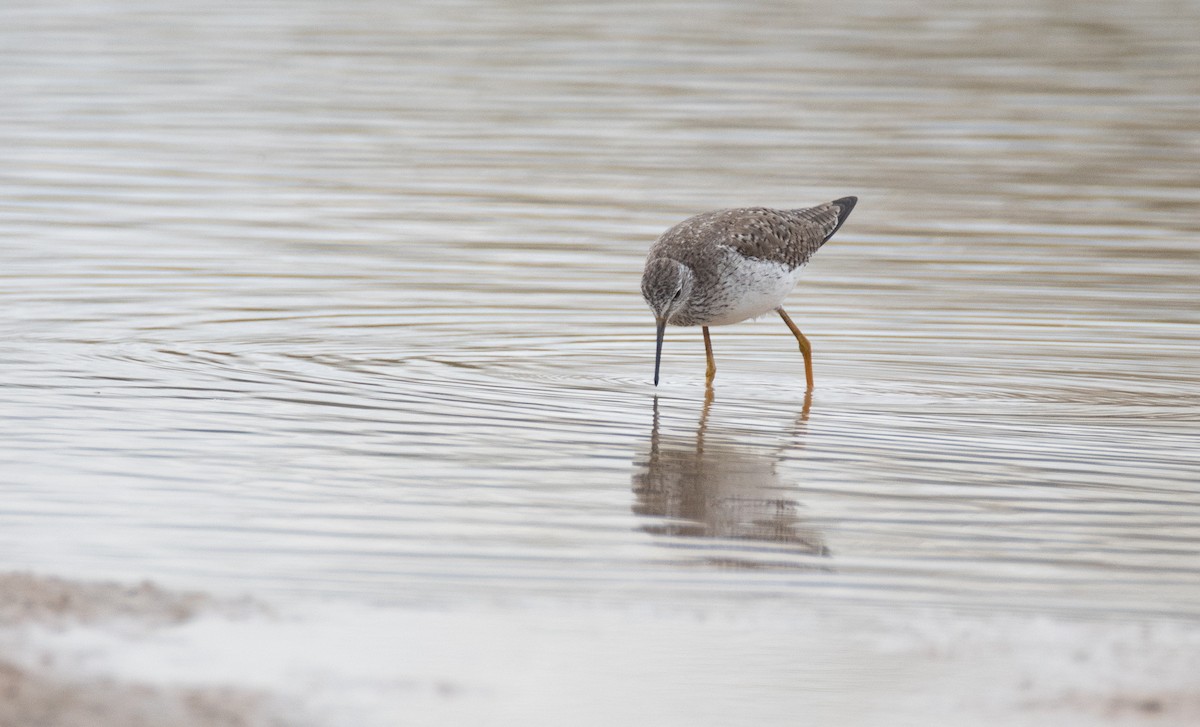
pixel 726 266
pixel 730 252
pixel 789 237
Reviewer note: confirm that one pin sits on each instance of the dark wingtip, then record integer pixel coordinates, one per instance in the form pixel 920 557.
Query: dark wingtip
pixel 845 205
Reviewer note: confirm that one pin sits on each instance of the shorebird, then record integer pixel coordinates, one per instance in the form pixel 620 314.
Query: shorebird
pixel 726 266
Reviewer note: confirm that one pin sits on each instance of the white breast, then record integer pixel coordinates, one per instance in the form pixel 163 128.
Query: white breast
pixel 751 288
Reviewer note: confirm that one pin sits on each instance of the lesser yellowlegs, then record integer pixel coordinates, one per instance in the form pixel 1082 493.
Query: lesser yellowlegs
pixel 729 265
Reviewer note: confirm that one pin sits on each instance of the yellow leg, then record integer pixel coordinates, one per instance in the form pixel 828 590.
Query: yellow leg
pixel 708 401
pixel 805 346
pixel 710 371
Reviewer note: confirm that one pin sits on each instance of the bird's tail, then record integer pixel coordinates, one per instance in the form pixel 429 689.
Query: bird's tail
pixel 844 206
pixel 827 218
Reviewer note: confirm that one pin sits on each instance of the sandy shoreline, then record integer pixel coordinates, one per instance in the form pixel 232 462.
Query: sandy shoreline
pixel 84 654
pixel 48 694
pixel 41 698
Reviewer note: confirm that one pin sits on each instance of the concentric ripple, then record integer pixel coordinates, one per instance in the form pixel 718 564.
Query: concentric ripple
pixel 310 301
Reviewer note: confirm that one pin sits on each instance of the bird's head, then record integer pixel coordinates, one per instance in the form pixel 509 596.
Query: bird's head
pixel 666 286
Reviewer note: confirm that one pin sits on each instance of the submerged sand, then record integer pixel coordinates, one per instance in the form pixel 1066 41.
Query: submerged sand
pixel 47 694
pixel 30 698
pixel 84 654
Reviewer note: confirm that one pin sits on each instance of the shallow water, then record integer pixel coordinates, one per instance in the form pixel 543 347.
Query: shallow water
pixel 301 301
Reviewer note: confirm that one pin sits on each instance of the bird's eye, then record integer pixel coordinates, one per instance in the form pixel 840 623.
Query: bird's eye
pixel 677 294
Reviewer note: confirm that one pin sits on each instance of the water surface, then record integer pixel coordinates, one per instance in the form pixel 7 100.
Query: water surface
pixel 304 301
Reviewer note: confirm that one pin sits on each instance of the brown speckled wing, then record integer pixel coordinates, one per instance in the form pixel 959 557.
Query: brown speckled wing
pixel 789 237
pixel 829 216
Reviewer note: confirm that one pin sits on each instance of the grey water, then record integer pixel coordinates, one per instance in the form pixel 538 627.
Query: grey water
pixel 308 299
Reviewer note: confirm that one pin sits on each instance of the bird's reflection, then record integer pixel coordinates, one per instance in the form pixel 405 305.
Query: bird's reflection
pixel 698 489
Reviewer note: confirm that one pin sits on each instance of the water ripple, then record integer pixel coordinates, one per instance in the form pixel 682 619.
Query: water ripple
pixel 295 305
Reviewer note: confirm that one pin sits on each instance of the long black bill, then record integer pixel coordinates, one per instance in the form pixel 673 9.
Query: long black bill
pixel 662 328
